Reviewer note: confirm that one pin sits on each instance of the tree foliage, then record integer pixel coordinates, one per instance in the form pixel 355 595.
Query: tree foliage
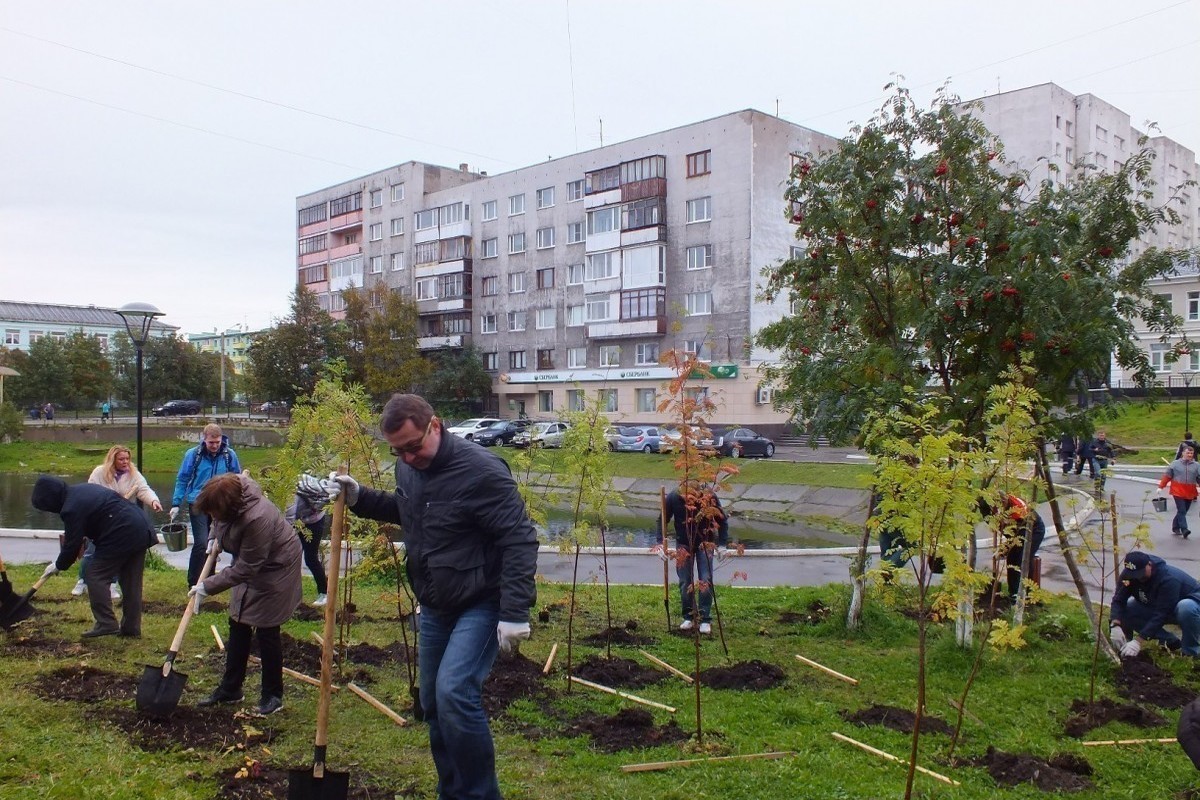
pixel 286 362
pixel 382 350
pixel 457 383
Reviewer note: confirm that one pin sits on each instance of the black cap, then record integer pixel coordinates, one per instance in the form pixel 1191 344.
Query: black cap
pixel 1135 566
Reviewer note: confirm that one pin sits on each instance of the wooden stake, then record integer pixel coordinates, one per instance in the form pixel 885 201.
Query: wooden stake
pixel 300 676
pixel 550 660
pixel 891 757
pixel 318 637
pixel 666 666
pixel 387 712
pixel 627 696
pixel 1109 742
pixel 955 705
pixel 657 765
pixel 217 636
pixel 827 670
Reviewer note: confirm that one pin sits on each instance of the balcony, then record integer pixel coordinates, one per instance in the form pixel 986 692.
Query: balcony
pixel 438 342
pixel 343 221
pixel 651 326
pixel 638 190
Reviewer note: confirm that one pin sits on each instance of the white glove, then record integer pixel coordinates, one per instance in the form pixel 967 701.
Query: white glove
pixel 1159 491
pixel 312 487
pixel 660 551
pixel 339 483
pixel 199 593
pixel 510 633
pixel 50 570
pixel 1131 649
pixel 173 513
pixel 722 552
pixel 1117 634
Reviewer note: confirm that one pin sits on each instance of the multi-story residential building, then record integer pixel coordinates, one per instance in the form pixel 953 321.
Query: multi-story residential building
pixel 578 274
pixel 231 343
pixel 25 323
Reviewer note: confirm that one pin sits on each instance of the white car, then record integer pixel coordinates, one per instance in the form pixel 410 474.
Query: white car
pixel 542 434
pixel 469 427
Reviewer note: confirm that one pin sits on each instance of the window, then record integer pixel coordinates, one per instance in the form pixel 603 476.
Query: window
pixel 489 210
pixel 397 192
pixel 602 180
pixel 516 320
pixel 642 213
pixel 516 243
pixel 397 261
pixel 644 266
pixel 376 198
pixel 574 274
pixel 575 399
pixel 35 336
pixel 608 400
pixel 312 214
pixel 545 278
pixel 1193 306
pixel 345 205
pixel 1194 360
pixel 597 308
pixel 1119 144
pixel 574 316
pixel 350 238
pixel 491 361
pixel 643 169
pixel 646 353
pixel 487 248
pixel 487 323
pixel 397 226
pixel 428 252
pixel 1101 161
pixel 516 282
pixel 610 355
pixel 490 286
pixel 376 231
pixel 454 212
pixel 312 244
pixel 455 285
pixel 427 289
pixel 698 303
pixel 576 357
pixel 1158 361
pixel 574 232
pixel 516 359
pixel 312 274
pixel 12 337
pixel 545 399
pixel 574 191
pixel 1070 129
pixel 601 265
pixel 452 249
pixel 643 303
pixel 546 319
pixel 646 401
pixel 426 219
pixel 700 256
pixel 545 238
pixel 602 220
pixel 545 197
pixel 697 163
pixel 1070 155
pixel 516 205
pixel 702 350
pixel 1058 121
pixel 545 360
pixel 696 394
pixel 376 265
pixel 1101 134
pixel 699 210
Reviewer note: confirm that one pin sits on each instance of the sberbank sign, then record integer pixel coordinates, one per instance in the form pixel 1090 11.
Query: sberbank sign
pixel 615 374
pixel 717 371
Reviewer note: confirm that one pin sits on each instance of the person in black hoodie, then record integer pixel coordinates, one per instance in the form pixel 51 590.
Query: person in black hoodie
pixel 121 534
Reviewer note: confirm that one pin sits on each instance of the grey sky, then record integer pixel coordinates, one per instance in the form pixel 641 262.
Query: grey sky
pixel 171 178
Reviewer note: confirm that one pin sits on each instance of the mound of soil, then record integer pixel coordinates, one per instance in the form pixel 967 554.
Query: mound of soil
pixel 32 642
pixel 299 654
pixel 814 613
pixel 206 729
pixel 1089 716
pixel 613 672
pixel 753 675
pixel 898 719
pixel 629 728
pixel 512 678
pixel 262 782
pixel 1142 680
pixel 1061 773
pixel 616 635
pixel 85 684
pixel 374 656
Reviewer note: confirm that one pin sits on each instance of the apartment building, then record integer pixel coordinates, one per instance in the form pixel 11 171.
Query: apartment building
pixel 25 323
pixel 576 275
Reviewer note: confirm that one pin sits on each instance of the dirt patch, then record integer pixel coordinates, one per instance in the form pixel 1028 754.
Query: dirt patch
pixel 753 675
pixel 29 642
pixel 629 728
pixel 898 719
pixel 82 683
pixel 613 672
pixel 257 781
pixel 1142 680
pixel 206 729
pixel 512 678
pixel 374 656
pixel 1061 773
pixel 1089 716
pixel 814 613
pixel 299 654
pixel 616 635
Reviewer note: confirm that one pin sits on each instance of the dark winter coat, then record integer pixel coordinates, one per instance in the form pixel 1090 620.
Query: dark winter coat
pixel 465 530
pixel 265 576
pixel 116 526
pixel 705 527
pixel 1066 445
pixel 1166 586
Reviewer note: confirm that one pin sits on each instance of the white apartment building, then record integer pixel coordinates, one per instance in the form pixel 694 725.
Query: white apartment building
pixel 576 275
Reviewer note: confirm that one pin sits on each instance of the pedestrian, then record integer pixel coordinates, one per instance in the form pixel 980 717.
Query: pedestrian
pixel 471 560
pixel 118 473
pixel 264 582
pixel 1098 454
pixel 309 511
pixel 48 412
pixel 894 550
pixel 212 457
pixel 1183 474
pixel 701 533
pixel 1150 594
pixel 121 535
pixel 105 412
pixel 1066 452
pixel 1188 441
pixel 1022 526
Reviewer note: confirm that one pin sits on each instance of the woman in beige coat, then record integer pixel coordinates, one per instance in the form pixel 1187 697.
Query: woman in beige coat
pixel 118 473
pixel 264 579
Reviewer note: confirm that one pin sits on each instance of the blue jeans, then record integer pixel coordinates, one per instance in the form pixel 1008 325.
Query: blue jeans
pixel 704 571
pixel 457 652
pixel 1187 617
pixel 1180 523
pixel 199 547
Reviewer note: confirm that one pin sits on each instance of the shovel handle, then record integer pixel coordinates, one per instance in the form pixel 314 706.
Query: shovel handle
pixel 189 612
pixel 334 572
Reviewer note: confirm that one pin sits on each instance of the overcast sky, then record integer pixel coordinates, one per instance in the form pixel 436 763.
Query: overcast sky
pixel 153 150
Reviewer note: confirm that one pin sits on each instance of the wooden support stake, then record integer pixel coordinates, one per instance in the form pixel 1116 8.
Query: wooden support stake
pixel 658 765
pixel 666 666
pixel 1130 741
pixel 891 757
pixel 550 660
pixel 387 712
pixel 217 636
pixel 827 670
pixel 627 696
pixel 318 637
pixel 300 676
pixel 966 712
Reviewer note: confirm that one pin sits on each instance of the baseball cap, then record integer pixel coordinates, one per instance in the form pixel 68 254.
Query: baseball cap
pixel 1134 566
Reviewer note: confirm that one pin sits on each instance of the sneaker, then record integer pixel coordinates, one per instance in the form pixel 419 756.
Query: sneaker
pixel 321 600
pixel 219 696
pixel 114 591
pixel 269 706
pixel 705 628
pixel 686 625
pixel 80 588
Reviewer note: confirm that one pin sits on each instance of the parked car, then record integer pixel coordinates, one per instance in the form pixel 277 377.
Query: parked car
pixel 671 440
pixel 639 439
pixel 274 407
pixel 502 432
pixel 739 442
pixel 542 434
pixel 173 408
pixel 469 427
pixel 611 434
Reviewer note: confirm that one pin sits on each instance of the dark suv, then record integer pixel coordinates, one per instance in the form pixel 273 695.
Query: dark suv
pixel 173 408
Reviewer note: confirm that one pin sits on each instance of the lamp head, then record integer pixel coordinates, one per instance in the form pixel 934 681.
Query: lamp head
pixel 137 318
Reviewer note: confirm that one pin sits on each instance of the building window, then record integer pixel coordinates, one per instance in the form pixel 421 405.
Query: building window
pixel 516 243
pixel 1070 129
pixel 602 180
pixel 397 192
pixel 35 336
pixel 426 289
pixel 487 323
pixel 312 244
pixel 697 163
pixel 574 316
pixel 646 401
pixel 603 220
pixel 1194 360
pixel 313 274
pixel 1193 306
pixel 610 355
pixel 575 399
pixel 697 394
pixel 546 319
pixel 12 337
pixel 1101 134
pixel 642 213
pixel 643 304
pixel 397 226
pixel 489 210
pixel 574 274
pixel 643 169
pixel 698 303
pixel 397 261
pixel 545 238
pixel 516 359
pixel 601 266
pixel 700 349
pixel 576 357
pixel 345 205
pixel 598 308
pixel 376 265
pixel 428 252
pixel 491 361
pixel 699 210
pixel 545 360
pixel 451 286
pixel 574 191
pixel 426 219
pixel 545 278
pixel 516 320
pixel 545 197
pixel 1158 361
pixel 574 232
pixel 545 399
pixel 312 214
pixel 516 282
pixel 516 205
pixel 376 231
pixel 490 286
pixel 1119 144
pixel 608 400
pixel 376 198
pixel 700 256
pixel 646 353
pixel 487 248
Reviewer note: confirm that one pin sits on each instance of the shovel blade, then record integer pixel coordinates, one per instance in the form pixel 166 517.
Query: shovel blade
pixel 303 785
pixel 157 694
pixel 15 609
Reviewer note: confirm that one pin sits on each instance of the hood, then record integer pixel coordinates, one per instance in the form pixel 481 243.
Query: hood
pixel 49 493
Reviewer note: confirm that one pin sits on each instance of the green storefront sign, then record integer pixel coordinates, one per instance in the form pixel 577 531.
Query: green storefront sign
pixel 717 371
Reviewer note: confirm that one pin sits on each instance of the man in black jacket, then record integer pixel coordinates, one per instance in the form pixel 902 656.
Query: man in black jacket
pixel 121 534
pixel 471 559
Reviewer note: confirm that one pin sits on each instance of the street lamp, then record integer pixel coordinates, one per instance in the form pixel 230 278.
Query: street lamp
pixel 1188 376
pixel 138 317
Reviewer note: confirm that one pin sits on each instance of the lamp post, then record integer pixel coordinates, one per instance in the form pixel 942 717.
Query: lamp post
pixel 137 318
pixel 1188 376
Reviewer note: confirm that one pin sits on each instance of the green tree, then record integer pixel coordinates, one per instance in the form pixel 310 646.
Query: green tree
pixel 89 370
pixel 287 361
pixel 174 368
pixel 45 375
pixel 382 330
pixel 457 384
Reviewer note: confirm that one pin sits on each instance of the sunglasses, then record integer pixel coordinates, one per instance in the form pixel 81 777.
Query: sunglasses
pixel 413 447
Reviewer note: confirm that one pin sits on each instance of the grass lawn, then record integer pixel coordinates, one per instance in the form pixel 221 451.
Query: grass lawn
pixel 73 749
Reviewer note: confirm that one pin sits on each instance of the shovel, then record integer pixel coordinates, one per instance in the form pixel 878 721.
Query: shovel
pixel 160 688
pixel 318 783
pixel 14 608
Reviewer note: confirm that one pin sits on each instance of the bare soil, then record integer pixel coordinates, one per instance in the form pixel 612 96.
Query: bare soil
pixel 1086 716
pixel 1062 773
pixel 513 678
pixel 260 782
pixel 211 729
pixel 898 719
pixel 748 675
pixel 814 613
pixel 628 729
pixel 31 642
pixel 615 635
pixel 81 683
pixel 1141 680
pixel 613 672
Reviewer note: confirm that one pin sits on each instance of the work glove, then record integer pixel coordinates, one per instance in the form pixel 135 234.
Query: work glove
pixel 336 484
pixel 722 552
pixel 1131 649
pixel 173 513
pixel 199 593
pixel 50 570
pixel 661 552
pixel 312 488
pixel 509 634
pixel 1117 634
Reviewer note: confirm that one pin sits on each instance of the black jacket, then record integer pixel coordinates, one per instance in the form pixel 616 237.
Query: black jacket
pixel 706 527
pixel 465 530
pixel 116 526
pixel 1161 593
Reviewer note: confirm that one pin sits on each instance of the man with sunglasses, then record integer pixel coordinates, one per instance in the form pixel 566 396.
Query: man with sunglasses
pixel 1150 594
pixel 471 559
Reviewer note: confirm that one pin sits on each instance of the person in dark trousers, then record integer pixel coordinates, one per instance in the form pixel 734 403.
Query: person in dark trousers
pixel 701 534
pixel 1187 442
pixel 1022 527
pixel 471 560
pixel 309 511
pixel 1183 474
pixel 1097 453
pixel 1150 594
pixel 264 582
pixel 1188 731
pixel 1066 452
pixel 212 457
pixel 121 535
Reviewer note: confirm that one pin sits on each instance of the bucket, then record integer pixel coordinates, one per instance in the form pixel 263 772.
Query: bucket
pixel 174 535
pixel 1160 503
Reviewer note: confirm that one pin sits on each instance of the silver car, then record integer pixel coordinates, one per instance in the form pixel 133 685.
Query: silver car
pixel 542 434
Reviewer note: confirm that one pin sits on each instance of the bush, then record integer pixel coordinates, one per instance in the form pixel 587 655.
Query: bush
pixel 11 422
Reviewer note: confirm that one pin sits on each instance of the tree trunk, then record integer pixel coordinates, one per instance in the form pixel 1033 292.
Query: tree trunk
pixel 858 575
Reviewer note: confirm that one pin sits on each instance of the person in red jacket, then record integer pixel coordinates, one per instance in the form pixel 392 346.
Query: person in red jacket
pixel 1183 474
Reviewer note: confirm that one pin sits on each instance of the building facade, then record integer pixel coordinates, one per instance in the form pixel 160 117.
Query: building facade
pixel 25 323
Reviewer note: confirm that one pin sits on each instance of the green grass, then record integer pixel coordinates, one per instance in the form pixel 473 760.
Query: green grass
pixel 62 750
pixel 63 458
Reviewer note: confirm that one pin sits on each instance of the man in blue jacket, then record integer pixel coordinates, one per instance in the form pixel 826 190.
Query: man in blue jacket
pixel 1150 594
pixel 212 457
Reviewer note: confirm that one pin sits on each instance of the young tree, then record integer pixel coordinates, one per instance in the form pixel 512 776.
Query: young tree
pixel 382 330
pixel 287 361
